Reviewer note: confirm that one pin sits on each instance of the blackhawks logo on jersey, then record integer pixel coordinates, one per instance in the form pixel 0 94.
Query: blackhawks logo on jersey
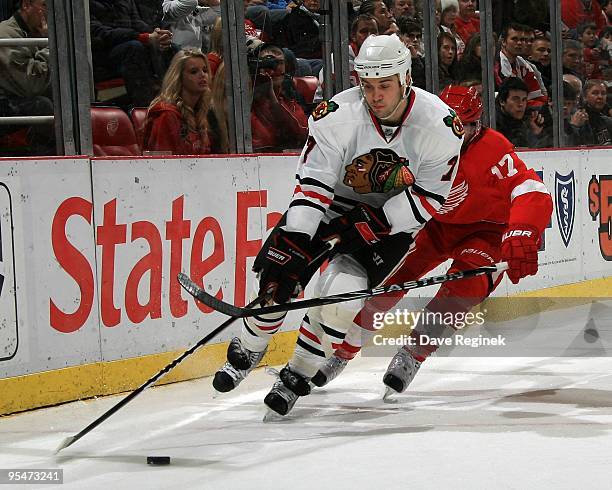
pixel 380 170
pixel 455 124
pixel 323 109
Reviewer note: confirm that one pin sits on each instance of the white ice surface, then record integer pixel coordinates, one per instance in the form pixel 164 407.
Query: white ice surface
pixel 477 423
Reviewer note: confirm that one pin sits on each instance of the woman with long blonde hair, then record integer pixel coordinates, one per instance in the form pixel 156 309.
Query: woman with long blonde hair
pixel 177 118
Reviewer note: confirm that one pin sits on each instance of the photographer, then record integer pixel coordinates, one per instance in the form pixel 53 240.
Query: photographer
pixel 278 120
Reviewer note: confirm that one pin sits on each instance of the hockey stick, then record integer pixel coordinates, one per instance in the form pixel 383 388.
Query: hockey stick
pixel 236 311
pixel 68 441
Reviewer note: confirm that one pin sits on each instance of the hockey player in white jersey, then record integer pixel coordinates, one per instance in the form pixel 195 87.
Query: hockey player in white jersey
pixel 378 163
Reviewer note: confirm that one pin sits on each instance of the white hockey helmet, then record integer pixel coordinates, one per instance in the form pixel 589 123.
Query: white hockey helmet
pixel 382 56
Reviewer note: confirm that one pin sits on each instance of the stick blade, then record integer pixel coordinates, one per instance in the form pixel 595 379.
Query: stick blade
pixel 208 299
pixel 68 441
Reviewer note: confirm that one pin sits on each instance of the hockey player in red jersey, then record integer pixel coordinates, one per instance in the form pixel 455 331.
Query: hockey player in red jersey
pixel 496 211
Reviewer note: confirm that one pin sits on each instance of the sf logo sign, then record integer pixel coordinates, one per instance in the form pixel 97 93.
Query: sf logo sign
pixel 600 205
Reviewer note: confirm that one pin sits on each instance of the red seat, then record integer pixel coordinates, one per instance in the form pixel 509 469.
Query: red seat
pixel 138 115
pixel 306 86
pixel 113 133
pixel 14 143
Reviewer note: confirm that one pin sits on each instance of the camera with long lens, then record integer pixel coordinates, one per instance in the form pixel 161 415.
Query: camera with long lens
pixel 265 62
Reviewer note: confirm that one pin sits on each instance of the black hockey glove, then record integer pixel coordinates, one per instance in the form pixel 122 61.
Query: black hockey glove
pixel 287 256
pixel 361 227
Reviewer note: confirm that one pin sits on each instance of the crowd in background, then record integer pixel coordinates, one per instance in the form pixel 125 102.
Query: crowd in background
pixel 167 56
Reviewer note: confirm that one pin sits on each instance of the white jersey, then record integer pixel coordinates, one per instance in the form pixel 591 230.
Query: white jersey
pixel 350 158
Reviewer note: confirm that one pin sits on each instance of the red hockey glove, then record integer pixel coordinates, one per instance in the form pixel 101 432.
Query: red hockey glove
pixel 286 258
pixel 361 227
pixel 520 249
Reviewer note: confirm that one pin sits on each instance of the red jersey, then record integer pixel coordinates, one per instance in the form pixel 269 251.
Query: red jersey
pixel 494 185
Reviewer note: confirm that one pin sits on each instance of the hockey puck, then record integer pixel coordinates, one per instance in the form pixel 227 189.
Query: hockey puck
pixel 158 460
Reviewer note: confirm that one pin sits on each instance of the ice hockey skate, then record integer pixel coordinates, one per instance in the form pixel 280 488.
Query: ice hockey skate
pixel 400 373
pixel 240 362
pixel 289 386
pixel 330 369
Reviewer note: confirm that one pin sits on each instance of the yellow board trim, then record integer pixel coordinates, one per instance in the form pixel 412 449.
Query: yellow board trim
pixel 21 393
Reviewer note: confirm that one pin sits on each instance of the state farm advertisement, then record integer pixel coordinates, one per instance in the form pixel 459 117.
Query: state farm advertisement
pixel 90 249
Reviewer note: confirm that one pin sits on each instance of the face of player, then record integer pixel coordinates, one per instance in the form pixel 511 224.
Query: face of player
pixel 540 52
pixel 596 96
pixel 572 59
pixel 357 173
pixel 365 28
pixel 449 16
pixel 514 43
pixel 589 37
pixel 195 76
pixel 403 8
pixel 384 96
pixel 447 52
pixel 471 130
pixel 467 8
pixel 515 104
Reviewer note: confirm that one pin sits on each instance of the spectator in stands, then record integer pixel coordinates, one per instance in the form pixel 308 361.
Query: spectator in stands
pixel 470 66
pixel 411 34
pixel 362 27
pixel 591 54
pixel 122 45
pixel 575 82
pixel 510 63
pixel 151 12
pixel 177 120
pixel 267 16
pixel 573 118
pixel 301 28
pixel 189 21
pixel 448 17
pixel 513 121
pixel 25 88
pixel 468 21
pixel 219 108
pixel 215 55
pixel 598 129
pixel 278 121
pixel 378 9
pixel 540 58
pixel 447 59
pixel 605 45
pixel 575 12
pixel 606 6
pixel 401 8
pixel 572 58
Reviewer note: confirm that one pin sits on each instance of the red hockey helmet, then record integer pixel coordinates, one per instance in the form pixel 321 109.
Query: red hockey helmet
pixel 465 101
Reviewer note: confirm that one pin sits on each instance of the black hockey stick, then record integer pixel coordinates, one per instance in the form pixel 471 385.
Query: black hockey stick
pixel 236 311
pixel 68 441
